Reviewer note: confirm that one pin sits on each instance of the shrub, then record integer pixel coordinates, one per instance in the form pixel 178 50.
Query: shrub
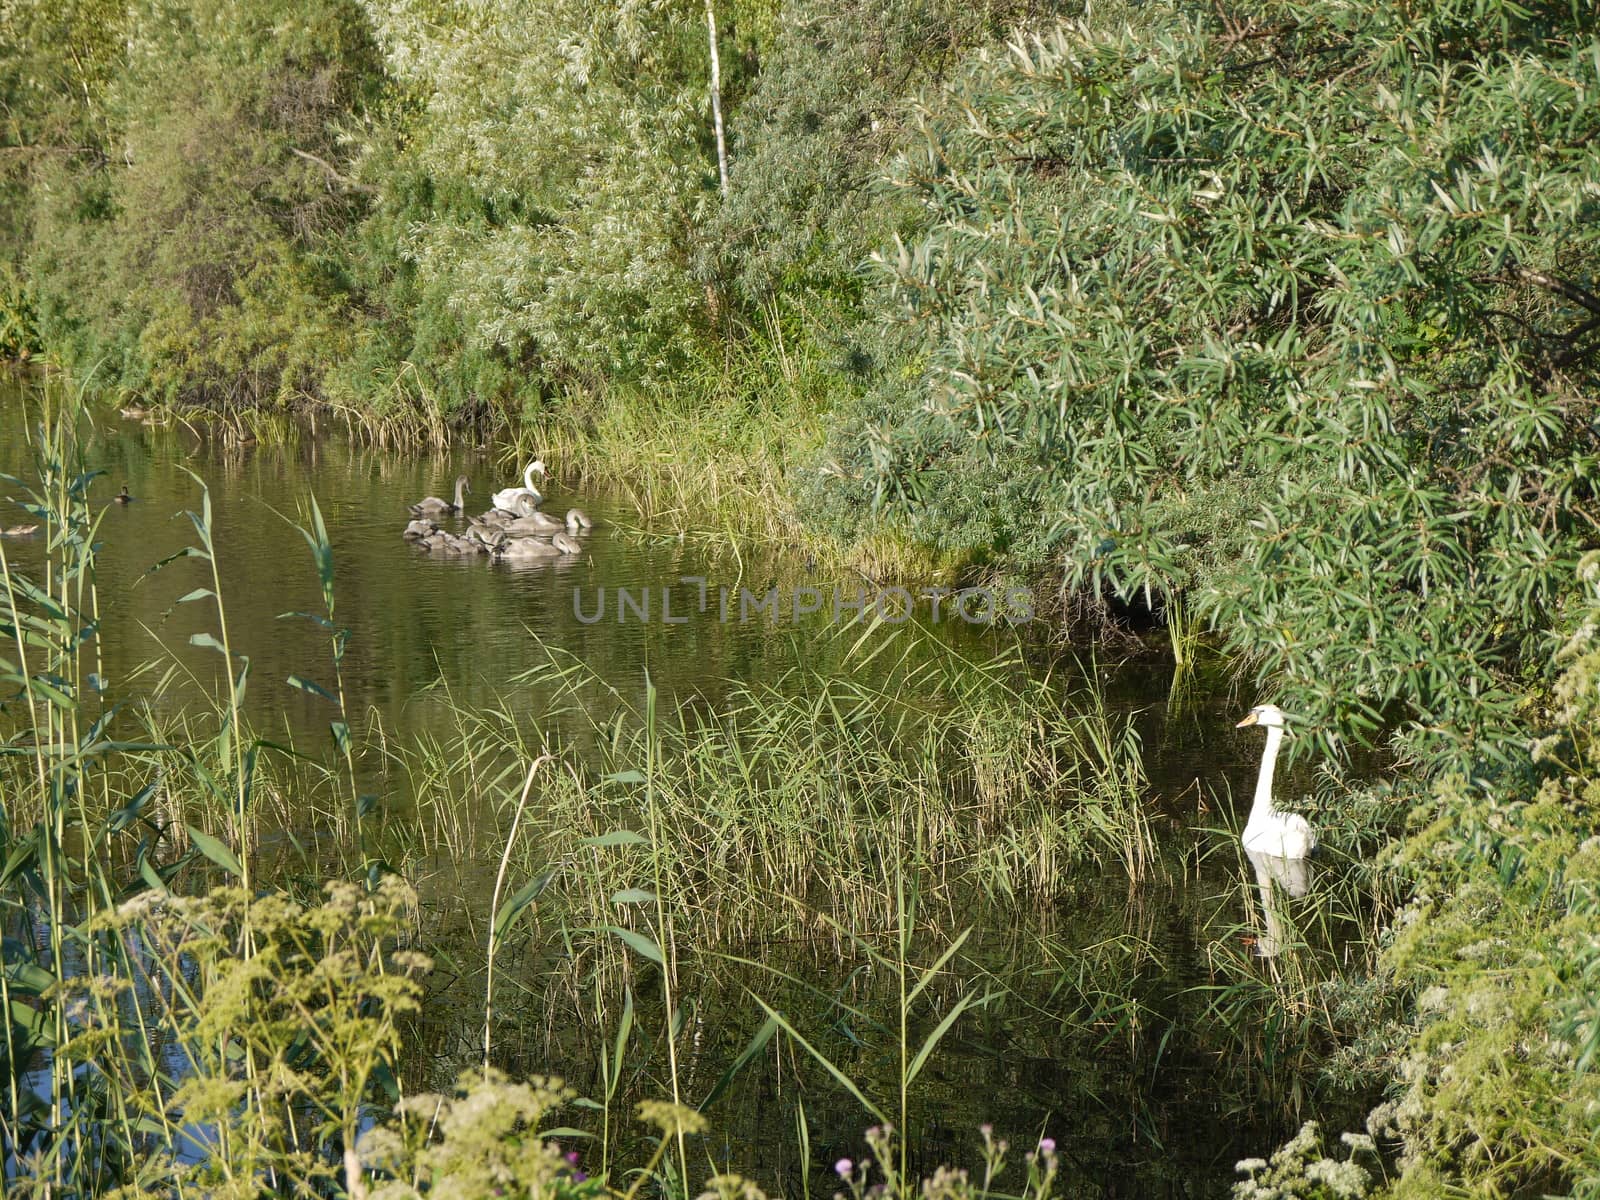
pixel 1287 305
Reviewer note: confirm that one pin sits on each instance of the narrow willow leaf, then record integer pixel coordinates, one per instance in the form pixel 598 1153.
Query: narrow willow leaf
pixel 638 942
pixel 617 837
pixel 215 850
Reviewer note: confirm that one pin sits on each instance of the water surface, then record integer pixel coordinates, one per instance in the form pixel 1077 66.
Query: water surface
pixel 1142 1103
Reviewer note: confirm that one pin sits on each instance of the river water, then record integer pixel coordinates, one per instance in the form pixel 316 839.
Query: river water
pixel 1147 1099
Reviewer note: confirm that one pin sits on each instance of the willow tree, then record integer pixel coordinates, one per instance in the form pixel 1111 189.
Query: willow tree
pixel 180 176
pixel 567 157
pixel 1290 308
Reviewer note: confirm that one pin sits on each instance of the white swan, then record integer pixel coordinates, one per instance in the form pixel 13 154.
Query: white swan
pixel 509 498
pixel 1293 875
pixel 1268 831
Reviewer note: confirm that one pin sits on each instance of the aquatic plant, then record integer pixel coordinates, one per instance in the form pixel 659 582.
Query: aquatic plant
pixel 804 871
pixel 490 1134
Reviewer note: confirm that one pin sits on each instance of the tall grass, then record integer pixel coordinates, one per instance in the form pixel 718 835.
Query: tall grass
pixel 804 794
pixel 849 815
pixel 200 1044
pixel 152 1039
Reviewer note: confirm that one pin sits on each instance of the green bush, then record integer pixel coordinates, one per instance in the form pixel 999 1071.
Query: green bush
pixel 564 167
pixel 1501 943
pixel 178 254
pixel 1288 305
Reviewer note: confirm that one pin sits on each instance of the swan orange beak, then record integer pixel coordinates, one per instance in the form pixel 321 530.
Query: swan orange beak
pixel 1250 719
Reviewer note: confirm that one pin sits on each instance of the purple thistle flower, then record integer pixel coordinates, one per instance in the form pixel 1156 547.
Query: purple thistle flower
pixel 842 1168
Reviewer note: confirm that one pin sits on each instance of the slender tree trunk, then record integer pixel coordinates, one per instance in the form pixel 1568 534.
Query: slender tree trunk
pixel 716 98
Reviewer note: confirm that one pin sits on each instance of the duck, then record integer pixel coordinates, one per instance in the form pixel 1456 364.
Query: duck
pixel 508 498
pixel 122 497
pixel 488 540
pixel 450 543
pixel 433 506
pixel 527 547
pixel 1268 831
pixel 535 524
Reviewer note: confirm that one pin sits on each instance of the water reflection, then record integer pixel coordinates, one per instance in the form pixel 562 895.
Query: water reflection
pixel 1291 876
pixel 1100 982
pixel 416 618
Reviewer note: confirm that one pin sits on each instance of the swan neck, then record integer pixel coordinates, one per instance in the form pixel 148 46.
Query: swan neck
pixel 1269 760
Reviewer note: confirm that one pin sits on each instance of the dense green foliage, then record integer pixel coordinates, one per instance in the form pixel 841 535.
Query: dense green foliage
pixel 468 208
pixel 180 249
pixel 1293 311
pixel 1502 941
pixel 1285 310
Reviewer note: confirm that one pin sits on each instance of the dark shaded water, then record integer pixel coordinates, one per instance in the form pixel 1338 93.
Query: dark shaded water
pixel 416 618
pixel 1144 1097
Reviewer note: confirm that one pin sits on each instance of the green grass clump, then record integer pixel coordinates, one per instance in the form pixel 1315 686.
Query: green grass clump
pixel 806 792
